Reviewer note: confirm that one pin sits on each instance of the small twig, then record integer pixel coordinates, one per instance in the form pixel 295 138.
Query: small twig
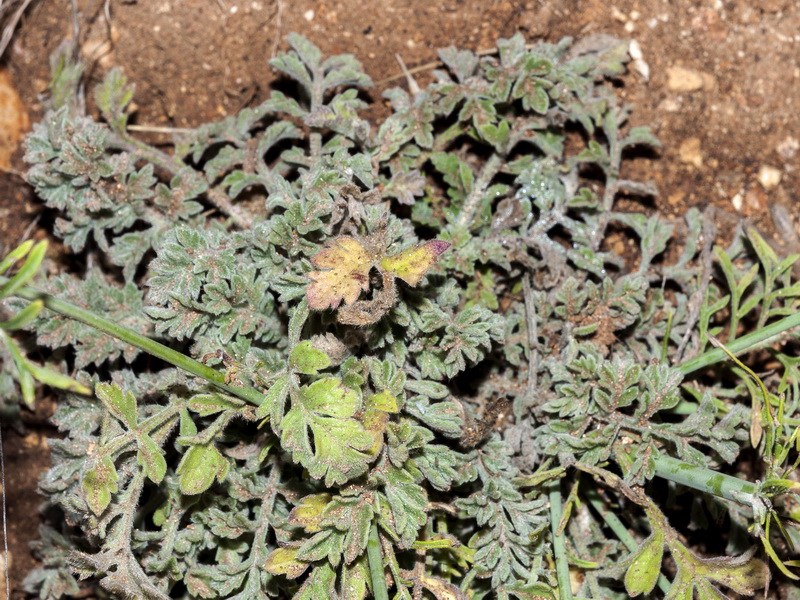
pixel 437 63
pixel 532 323
pixel 12 26
pixel 278 14
pixel 158 129
pixel 413 87
pixel 696 301
pixel 29 229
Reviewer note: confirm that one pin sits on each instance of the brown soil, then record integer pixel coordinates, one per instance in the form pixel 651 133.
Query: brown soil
pixel 721 94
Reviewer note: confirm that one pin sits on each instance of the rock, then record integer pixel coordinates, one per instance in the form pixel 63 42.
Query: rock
pixel 690 152
pixel 769 177
pixel 680 79
pixel 787 148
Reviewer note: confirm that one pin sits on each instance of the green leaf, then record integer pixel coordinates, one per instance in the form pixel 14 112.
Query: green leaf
pixel 120 404
pixel 151 457
pixel 308 360
pixel 26 271
pixel 321 434
pixel 275 400
pixel 99 483
pixel 409 504
pixel 209 404
pixel 113 96
pixel 320 584
pixel 199 467
pixel 384 402
pixel 23 317
pixel 642 574
pixel 16 254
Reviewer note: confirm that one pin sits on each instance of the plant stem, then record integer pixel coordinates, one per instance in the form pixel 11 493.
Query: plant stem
pixel 142 342
pixel 751 341
pixel 706 480
pixel 475 197
pixel 559 543
pixel 375 559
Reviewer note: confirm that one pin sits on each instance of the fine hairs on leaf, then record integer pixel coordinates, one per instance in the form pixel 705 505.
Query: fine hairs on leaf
pixel 315 357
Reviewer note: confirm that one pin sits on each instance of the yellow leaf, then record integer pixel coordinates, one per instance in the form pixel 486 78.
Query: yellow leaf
pixel 308 513
pixel 412 264
pixel 282 561
pixel 346 263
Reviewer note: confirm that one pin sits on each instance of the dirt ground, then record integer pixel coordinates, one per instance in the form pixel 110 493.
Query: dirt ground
pixel 721 95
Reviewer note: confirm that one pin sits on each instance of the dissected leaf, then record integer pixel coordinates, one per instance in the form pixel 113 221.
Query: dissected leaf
pixel 120 404
pixel 346 263
pixel 308 513
pixel 307 359
pixel 200 465
pixel 642 574
pixel 322 434
pixel 99 483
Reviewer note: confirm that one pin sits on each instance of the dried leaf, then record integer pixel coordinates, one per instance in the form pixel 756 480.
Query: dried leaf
pixel 346 263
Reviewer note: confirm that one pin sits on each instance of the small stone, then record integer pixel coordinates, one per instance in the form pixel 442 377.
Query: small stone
pixel 676 198
pixel 787 148
pixel 309 15
pixel 680 79
pixel 769 177
pixel 737 201
pixel 690 152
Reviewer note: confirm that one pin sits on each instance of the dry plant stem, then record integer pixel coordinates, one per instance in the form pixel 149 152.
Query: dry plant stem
pixel 12 25
pixel 696 301
pixel 143 342
pixel 532 323
pixel 438 63
pixel 475 197
pixel 173 164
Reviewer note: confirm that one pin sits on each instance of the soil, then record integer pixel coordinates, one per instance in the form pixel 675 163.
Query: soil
pixel 721 97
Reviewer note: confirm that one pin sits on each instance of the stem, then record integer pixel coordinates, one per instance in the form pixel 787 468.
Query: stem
pixel 751 341
pixel 473 201
pixel 559 543
pixel 143 342
pixel 706 480
pixel 173 164
pixel 375 559
pixel 224 204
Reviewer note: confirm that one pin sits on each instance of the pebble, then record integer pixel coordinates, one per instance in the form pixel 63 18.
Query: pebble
pixel 788 147
pixel 769 177
pixel 680 79
pixel 690 152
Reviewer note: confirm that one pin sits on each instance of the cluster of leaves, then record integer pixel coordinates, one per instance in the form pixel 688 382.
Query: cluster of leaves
pixel 435 332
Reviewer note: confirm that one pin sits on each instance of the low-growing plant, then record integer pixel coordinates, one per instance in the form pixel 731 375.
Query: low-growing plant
pixel 336 361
